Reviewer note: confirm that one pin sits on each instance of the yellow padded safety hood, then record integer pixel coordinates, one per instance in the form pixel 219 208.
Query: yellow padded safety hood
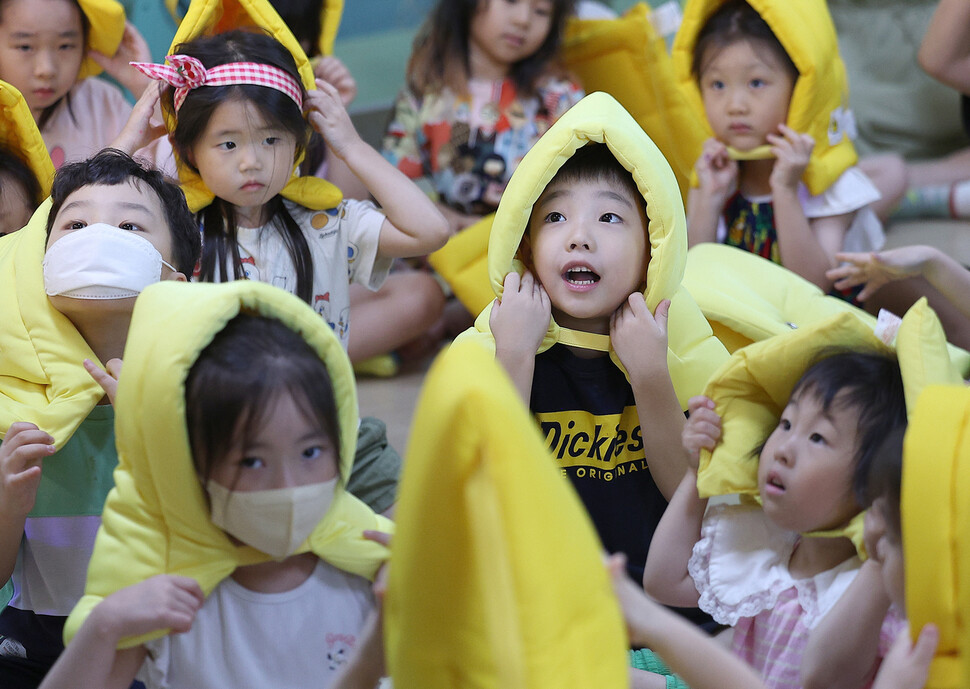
pixel 508 591
pixel 19 134
pixel 156 518
pixel 210 17
pixel 753 387
pixel 106 26
pixel 693 353
pixel 935 505
pixel 747 298
pixel 820 102
pixel 42 379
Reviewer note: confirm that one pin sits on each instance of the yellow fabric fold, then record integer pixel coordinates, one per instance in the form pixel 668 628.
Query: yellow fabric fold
pixel 156 518
pixel 106 26
pixel 209 17
pixel 693 353
pixel 19 133
pixel 752 388
pixel 487 589
pixel 936 525
pixel 42 378
pixel 820 101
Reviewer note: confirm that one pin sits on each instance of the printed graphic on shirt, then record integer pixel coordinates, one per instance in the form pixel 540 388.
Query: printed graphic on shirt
pixel 339 649
pixel 605 447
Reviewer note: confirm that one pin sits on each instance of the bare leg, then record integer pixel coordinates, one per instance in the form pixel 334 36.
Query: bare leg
pixel 900 295
pixel 403 309
pixel 953 168
pixel 889 173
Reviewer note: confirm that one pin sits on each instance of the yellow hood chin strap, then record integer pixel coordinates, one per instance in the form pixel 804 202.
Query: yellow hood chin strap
pixel 584 340
pixel 757 153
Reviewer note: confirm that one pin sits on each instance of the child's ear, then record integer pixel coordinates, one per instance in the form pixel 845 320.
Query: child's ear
pixel 524 253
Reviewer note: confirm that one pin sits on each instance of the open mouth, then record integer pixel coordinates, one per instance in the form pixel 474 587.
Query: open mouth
pixel 774 485
pixel 581 276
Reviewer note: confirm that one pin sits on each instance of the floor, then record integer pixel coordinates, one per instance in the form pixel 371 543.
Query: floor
pixel 392 400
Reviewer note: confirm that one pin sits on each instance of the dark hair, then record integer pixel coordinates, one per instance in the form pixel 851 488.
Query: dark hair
pixel 885 478
pixel 15 170
pixel 111 167
pixel 302 17
pixel 46 113
pixel 866 383
pixel 594 162
pixel 733 22
pixel 219 225
pixel 238 378
pixel 439 58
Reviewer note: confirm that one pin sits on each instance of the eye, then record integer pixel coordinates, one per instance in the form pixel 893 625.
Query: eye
pixel 784 424
pixel 611 218
pixel 67 46
pixel 757 83
pixel 76 225
pixel 251 463
pixel 226 145
pixel 272 140
pixel 23 47
pixel 313 452
pixel 716 85
pixel 555 216
pixel 816 438
pixel 130 227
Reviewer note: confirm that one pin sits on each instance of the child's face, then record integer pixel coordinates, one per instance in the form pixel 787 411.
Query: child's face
pixel 41 48
pixel 746 94
pixel 806 466
pixel 131 207
pixel 885 547
pixel 243 159
pixel 15 207
pixel 288 450
pixel 588 250
pixel 504 32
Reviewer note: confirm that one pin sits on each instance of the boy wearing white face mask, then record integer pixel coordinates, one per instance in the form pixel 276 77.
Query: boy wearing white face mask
pixel 113 229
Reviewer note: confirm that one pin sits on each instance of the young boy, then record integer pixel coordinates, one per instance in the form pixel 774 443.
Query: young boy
pixel 113 228
pixel 588 240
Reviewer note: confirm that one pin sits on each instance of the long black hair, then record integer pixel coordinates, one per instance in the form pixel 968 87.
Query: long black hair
pixel 219 235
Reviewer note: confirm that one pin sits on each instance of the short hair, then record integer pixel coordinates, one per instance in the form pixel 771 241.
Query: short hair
pixel 111 167
pixel 733 22
pixel 238 378
pixel 594 162
pixel 867 383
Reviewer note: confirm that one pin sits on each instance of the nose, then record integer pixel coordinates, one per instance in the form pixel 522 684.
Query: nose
pixel 285 476
pixel 784 452
pixel 45 66
pixel 579 238
pixel 520 13
pixel 737 100
pixel 250 159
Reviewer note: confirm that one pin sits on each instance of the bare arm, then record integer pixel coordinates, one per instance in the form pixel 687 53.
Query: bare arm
pixel 414 226
pixel 640 341
pixel 842 650
pixel 945 51
pixel 518 323
pixel 806 247
pixel 92 659
pixel 717 177
pixel 702 662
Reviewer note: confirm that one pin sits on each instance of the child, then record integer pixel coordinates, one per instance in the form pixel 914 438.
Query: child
pixel 748 83
pixel 243 136
pixel 48 50
pixel 113 227
pixel 248 498
pixel 748 565
pixel 599 257
pixel 19 192
pixel 482 87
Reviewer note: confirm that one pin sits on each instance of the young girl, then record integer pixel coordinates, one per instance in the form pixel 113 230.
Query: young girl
pixel 751 192
pixel 19 192
pixel 242 133
pixel 762 569
pixel 256 477
pixel 48 50
pixel 482 87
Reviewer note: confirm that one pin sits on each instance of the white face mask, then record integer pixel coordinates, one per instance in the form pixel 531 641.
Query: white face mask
pixel 275 521
pixel 101 261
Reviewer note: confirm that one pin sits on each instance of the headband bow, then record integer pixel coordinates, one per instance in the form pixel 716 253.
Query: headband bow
pixel 185 73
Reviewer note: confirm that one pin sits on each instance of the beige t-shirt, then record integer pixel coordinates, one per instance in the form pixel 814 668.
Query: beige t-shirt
pixel 97 113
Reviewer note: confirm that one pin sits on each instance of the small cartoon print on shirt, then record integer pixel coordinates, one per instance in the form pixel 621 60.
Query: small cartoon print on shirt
pixel 339 648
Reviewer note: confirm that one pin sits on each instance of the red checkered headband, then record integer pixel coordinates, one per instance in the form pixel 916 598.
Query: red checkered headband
pixel 187 73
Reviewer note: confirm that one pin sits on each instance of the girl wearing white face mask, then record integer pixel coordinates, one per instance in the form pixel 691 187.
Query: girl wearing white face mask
pixel 266 415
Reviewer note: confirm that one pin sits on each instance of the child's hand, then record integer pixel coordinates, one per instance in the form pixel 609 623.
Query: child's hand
pixel 702 428
pixel 139 130
pixel 639 338
pixel 638 609
pixel 107 378
pixel 520 319
pixel 328 116
pixel 875 268
pixel 906 665
pixel 164 601
pixel 717 174
pixel 21 453
pixel 792 153
pixel 331 70
pixel 133 48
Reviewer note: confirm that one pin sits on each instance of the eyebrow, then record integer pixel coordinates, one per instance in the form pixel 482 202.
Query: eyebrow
pixel 62 34
pixel 125 205
pixel 602 194
pixel 264 128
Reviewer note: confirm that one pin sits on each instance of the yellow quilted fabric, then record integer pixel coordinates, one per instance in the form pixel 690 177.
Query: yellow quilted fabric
pixel 19 133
